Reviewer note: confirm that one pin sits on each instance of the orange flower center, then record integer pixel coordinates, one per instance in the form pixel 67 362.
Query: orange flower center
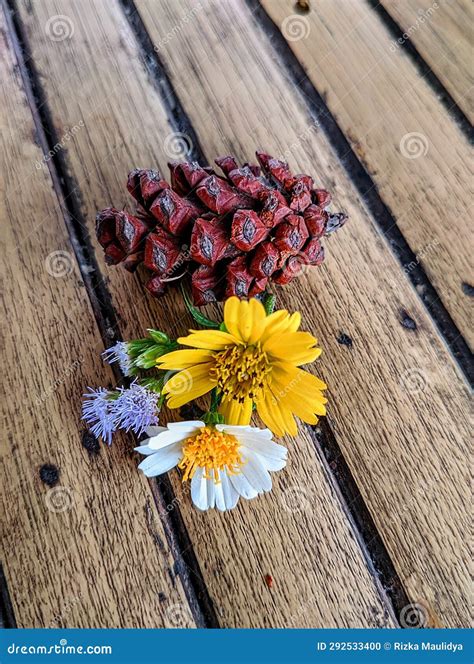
pixel 240 371
pixel 212 450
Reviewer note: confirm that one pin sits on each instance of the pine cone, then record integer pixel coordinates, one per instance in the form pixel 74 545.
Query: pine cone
pixel 233 234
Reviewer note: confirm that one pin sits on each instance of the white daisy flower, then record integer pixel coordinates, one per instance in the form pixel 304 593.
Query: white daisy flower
pixel 222 461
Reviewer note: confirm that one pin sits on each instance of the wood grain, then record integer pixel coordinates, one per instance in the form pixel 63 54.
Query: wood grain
pixel 78 554
pixel 397 403
pixel 443 34
pixel 320 575
pixel 418 158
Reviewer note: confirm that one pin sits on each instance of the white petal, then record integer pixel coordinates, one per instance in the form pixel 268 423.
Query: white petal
pixel 234 428
pixel 241 431
pixel 242 486
pixel 219 493
pixel 211 492
pixel 199 489
pixel 270 454
pixel 154 431
pixel 145 450
pixel 202 490
pixel 190 424
pixel 161 462
pixel 256 473
pixel 231 496
pixel 167 437
pixel 174 432
pixel 270 463
pixel 264 447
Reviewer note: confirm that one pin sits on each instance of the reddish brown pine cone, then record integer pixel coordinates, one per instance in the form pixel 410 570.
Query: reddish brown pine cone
pixel 234 233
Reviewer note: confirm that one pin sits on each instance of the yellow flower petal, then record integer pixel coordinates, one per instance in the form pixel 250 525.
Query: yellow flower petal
pixel 231 316
pixel 299 377
pixel 244 320
pixel 287 418
pixel 294 347
pixel 236 413
pixel 188 384
pixel 209 340
pixel 302 408
pixel 257 311
pixel 274 324
pixel 183 359
pixel 268 416
pixel 294 322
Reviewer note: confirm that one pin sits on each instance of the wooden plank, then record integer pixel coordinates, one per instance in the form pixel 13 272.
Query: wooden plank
pixel 443 34
pixel 417 156
pixel 320 575
pixel 90 551
pixel 397 403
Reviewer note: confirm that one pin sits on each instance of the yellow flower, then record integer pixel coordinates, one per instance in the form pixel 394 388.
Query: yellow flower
pixel 255 361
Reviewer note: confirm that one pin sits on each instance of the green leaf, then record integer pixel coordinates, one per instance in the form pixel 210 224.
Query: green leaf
pixel 196 314
pixel 158 337
pixel 215 400
pixel 213 418
pixel 269 303
pixel 139 346
pixel 153 384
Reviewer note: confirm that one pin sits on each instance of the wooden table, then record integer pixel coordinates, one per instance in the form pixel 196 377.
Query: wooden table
pixel 372 514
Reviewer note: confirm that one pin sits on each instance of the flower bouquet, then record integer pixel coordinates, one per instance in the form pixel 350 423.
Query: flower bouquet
pixel 231 236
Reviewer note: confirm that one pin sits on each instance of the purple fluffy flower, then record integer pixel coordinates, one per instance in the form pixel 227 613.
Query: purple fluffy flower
pixel 136 408
pixel 97 411
pixel 119 353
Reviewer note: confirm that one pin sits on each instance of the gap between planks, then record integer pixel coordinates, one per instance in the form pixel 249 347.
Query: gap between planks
pixel 438 87
pixel 186 564
pixel 368 191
